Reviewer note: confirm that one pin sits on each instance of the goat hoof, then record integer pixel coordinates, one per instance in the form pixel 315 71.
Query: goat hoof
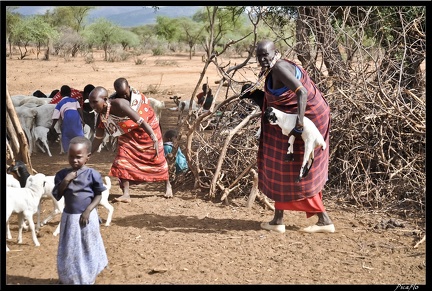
pixel 289 157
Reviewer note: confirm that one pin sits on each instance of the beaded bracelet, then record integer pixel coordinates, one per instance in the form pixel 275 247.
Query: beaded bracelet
pixel 140 121
pixel 298 130
pixel 298 88
pixel 153 137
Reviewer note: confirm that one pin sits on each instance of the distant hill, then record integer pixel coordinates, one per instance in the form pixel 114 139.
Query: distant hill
pixel 146 15
pixel 124 16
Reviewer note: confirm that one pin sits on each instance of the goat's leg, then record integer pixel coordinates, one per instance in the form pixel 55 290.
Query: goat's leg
pixel 304 170
pixel 38 217
pixel 290 152
pixel 20 226
pixel 39 146
pixel 47 147
pixel 58 208
pixel 110 209
pixel 309 164
pixel 29 217
pixel 179 117
pixel 57 230
pixel 8 233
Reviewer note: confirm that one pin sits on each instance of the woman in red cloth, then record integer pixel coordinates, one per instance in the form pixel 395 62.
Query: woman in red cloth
pixel 140 156
pixel 289 88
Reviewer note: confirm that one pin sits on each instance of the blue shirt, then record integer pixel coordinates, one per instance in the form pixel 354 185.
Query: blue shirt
pixel 180 163
pixel 80 192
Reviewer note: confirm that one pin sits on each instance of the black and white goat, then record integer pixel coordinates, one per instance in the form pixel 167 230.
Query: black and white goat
pixel 182 106
pixel 257 95
pixel 310 135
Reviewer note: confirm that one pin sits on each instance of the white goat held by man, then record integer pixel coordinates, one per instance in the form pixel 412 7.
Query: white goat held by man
pixel 310 135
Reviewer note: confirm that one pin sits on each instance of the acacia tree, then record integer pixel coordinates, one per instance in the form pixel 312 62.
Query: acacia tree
pixel 168 29
pixel 32 30
pixel 128 39
pixel 12 18
pixel 192 32
pixel 103 33
pixel 68 42
pixel 69 16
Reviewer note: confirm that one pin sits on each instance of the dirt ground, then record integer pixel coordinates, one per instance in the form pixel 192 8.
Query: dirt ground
pixel 190 240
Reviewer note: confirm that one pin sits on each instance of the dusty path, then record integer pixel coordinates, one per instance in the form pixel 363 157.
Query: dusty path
pixel 189 240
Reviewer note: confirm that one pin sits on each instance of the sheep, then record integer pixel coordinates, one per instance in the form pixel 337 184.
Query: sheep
pixel 25 202
pixel 104 202
pixel 182 106
pixel 311 136
pixel 157 106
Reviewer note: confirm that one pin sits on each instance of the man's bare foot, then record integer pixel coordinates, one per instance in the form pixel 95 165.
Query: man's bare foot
pixel 168 193
pixel 123 199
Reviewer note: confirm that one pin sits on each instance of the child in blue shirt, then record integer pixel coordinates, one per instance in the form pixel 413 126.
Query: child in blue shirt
pixel 168 140
pixel 81 254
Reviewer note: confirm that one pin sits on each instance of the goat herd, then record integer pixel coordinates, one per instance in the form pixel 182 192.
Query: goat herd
pixel 25 191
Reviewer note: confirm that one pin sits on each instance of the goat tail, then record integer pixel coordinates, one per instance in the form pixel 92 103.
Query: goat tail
pixel 108 182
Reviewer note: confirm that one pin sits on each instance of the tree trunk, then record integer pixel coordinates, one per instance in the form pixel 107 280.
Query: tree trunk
pixel 15 132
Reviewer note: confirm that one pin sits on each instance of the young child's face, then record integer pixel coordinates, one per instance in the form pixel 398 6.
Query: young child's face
pixel 78 155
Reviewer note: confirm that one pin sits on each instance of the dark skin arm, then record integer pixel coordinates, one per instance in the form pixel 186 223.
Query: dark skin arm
pixel 65 182
pixel 283 74
pixel 121 107
pixel 84 218
pixel 81 115
pixel 54 121
pixel 97 140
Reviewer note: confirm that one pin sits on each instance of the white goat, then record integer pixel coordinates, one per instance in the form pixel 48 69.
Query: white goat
pixel 157 106
pixel 25 202
pixel 41 133
pixel 20 173
pixel 104 202
pixel 36 100
pixel 182 106
pixel 16 99
pixel 11 181
pixel 311 136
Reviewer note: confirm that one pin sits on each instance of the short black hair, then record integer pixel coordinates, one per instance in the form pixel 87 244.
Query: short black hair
pixel 65 90
pixel 82 140
pixel 88 88
pixel 118 83
pixel 170 134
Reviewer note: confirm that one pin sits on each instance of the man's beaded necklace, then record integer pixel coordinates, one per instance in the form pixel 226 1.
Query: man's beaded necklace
pixel 105 118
